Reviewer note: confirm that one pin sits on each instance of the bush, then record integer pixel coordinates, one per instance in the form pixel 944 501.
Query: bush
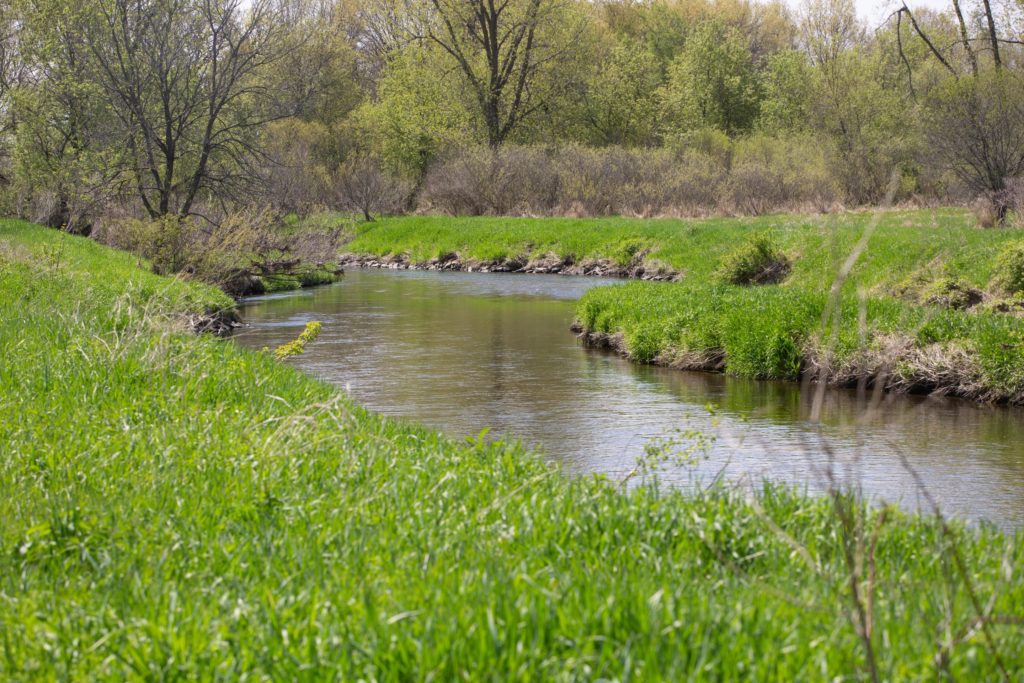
pixel 245 252
pixel 758 262
pixel 698 179
pixel 770 173
pixel 480 181
pixel 360 184
pixel 1008 274
pixel 950 293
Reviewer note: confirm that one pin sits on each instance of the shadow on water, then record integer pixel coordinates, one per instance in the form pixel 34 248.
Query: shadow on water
pixel 461 352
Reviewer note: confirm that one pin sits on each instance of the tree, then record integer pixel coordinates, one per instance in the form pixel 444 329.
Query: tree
pixel 12 71
pixel 420 109
pixel 501 48
pixel 182 77
pixel 67 150
pixel 829 28
pixel 977 131
pixel 788 84
pixel 976 114
pixel 317 75
pixel 712 83
pixel 618 105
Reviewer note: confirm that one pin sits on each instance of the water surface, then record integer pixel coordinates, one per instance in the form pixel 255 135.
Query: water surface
pixel 461 352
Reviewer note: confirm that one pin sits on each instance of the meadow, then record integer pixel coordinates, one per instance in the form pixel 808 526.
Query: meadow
pixel 906 300
pixel 176 508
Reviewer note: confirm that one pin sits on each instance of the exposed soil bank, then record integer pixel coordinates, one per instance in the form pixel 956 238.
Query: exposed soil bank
pixel 898 366
pixel 637 269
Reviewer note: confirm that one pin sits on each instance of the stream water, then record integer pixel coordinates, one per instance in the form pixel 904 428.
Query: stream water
pixel 461 352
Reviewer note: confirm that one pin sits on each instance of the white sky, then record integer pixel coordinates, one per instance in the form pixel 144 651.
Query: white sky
pixel 873 12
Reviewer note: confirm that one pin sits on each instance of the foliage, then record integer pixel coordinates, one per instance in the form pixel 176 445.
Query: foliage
pixel 298 345
pixel 182 79
pixel 303 88
pixel 712 83
pixel 976 130
pixel 789 88
pixel 244 253
pixel 1008 273
pixel 360 184
pixel 758 261
pixel 419 111
pixel 232 515
pixel 618 102
pixel 711 175
pixel 501 53
pixel 772 173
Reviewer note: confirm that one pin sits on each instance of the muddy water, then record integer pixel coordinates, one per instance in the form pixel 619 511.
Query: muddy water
pixel 460 352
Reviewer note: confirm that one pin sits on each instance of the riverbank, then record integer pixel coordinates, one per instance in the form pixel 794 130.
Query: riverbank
pixel 174 506
pixel 908 250
pixel 921 309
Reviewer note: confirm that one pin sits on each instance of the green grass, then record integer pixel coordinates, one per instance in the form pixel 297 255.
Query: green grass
pixel 905 241
pixel 173 507
pixel 774 331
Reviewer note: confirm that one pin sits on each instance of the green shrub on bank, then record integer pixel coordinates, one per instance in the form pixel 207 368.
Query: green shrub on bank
pixel 246 253
pixel 951 293
pixel 757 262
pixel 1008 274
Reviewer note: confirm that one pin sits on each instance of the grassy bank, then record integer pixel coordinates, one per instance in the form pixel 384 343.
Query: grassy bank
pixel 902 319
pixel 174 507
pixel 925 243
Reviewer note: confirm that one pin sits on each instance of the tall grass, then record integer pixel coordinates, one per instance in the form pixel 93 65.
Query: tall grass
pixel 175 508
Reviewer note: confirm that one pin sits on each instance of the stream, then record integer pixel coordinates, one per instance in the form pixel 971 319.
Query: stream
pixel 460 352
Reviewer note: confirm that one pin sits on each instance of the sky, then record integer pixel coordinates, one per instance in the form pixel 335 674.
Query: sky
pixel 874 12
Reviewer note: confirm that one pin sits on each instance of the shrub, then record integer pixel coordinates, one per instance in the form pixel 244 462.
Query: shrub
pixel 950 293
pixel 768 174
pixel 360 184
pixel 1008 274
pixel 985 213
pixel 480 181
pixel 757 262
pixel 630 250
pixel 245 252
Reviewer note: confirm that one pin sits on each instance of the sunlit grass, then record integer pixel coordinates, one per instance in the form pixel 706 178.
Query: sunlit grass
pixel 173 507
pixel 945 240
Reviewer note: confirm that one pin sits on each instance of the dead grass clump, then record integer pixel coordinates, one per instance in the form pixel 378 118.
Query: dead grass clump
pixel 985 213
pixel 897 363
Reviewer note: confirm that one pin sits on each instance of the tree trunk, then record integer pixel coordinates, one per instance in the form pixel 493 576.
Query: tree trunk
pixel 971 57
pixel 992 34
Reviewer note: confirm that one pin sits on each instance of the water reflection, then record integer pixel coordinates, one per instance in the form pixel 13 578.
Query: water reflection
pixel 461 352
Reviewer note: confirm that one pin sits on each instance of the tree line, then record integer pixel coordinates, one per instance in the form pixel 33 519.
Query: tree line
pixel 197 108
